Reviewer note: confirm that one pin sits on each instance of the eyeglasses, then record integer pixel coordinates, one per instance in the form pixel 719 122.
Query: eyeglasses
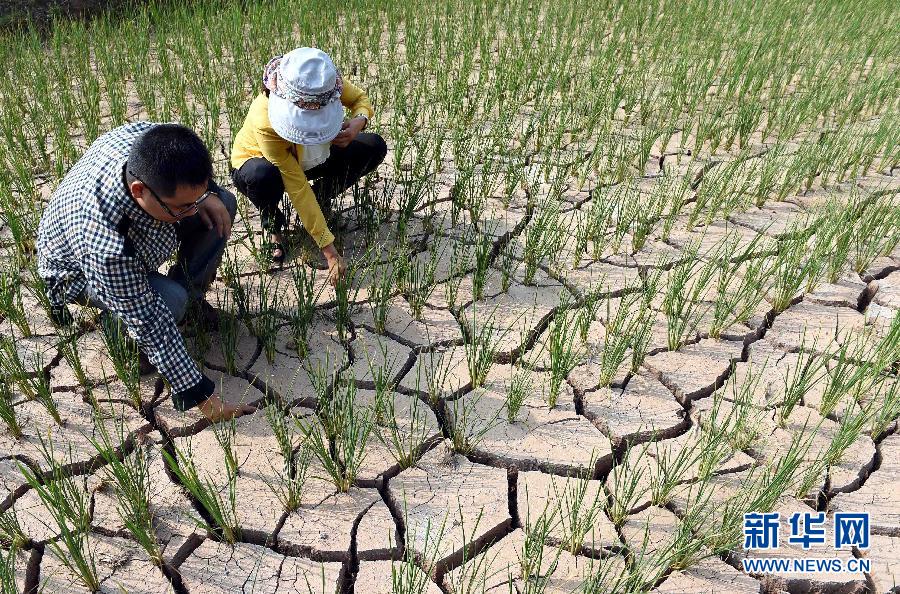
pixel 180 214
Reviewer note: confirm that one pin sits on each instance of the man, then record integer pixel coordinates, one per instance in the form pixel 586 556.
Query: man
pixel 139 192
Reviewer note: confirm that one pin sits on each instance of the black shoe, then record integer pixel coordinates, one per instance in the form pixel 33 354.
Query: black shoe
pixel 200 314
pixel 145 367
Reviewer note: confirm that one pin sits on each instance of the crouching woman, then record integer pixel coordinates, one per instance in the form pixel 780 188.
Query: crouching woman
pixel 295 132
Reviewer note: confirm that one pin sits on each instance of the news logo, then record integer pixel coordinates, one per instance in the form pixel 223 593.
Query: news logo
pixel 762 532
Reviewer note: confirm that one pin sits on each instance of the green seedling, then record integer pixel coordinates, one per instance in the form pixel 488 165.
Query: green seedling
pixel 68 503
pixel 221 510
pixel 403 441
pixel 339 442
pixel 292 474
pixel 483 338
pixel 124 355
pixel 565 352
pixel 8 412
pixel 130 474
pixel 470 423
pixel 518 389
pixel 34 384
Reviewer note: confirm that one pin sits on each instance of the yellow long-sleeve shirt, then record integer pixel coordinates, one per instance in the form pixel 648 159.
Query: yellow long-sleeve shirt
pixel 257 138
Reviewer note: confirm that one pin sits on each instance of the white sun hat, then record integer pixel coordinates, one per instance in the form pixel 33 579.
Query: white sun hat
pixel 304 96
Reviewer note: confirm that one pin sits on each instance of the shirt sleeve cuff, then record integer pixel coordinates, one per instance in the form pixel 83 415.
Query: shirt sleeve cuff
pixel 191 397
pixel 324 239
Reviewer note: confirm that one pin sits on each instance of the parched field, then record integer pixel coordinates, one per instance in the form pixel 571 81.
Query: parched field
pixel 630 271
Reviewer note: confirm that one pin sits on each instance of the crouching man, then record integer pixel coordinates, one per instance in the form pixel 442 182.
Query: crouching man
pixel 138 193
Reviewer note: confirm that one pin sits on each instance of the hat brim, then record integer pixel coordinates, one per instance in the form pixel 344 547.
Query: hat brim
pixel 305 126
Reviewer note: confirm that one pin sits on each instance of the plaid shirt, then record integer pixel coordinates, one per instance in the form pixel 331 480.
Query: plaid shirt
pixel 93 234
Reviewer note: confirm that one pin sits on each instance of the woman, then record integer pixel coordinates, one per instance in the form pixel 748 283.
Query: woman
pixel 295 132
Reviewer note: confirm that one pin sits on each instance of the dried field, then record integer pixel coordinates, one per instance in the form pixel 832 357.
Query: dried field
pixel 629 271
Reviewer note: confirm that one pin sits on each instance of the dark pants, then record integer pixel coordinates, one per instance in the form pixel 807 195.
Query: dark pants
pixel 261 182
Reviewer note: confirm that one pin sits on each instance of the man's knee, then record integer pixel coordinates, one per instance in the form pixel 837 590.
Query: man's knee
pixel 173 294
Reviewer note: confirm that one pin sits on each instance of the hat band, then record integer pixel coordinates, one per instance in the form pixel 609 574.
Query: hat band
pixel 276 83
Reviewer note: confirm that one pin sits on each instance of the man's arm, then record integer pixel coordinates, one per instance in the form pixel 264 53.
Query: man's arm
pixel 120 283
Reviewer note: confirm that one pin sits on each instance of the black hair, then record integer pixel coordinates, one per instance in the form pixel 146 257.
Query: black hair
pixel 169 155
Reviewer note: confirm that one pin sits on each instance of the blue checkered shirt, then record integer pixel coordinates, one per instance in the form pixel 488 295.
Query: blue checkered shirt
pixel 93 234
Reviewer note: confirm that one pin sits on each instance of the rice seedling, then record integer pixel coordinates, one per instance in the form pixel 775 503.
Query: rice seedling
pixel 483 249
pixel 228 331
pixel 736 304
pixel 578 512
pixel 884 409
pixel 345 295
pixel 11 307
pixel 437 370
pixel 459 263
pixel 642 329
pixel 798 380
pixel 68 346
pixel 382 376
pixel 406 577
pixel 535 566
pixel 518 389
pixel 685 284
pixel 849 430
pixel 410 574
pixel 8 412
pixel 225 432
pixel 543 236
pixel 470 425
pixel 305 297
pixel 219 513
pixel 419 283
pixel 68 503
pixel 8 569
pixel 34 384
pixel 291 476
pixel 124 355
pixel 686 549
pixel 265 323
pixel 565 352
pixel 742 426
pixel 472 575
pixel 876 233
pixel 380 293
pixel 619 335
pixel 714 448
pixel 673 465
pixel 130 473
pixel 339 440
pixel 481 344
pixel 627 487
pixel 790 269
pixel 403 442
pixel 11 533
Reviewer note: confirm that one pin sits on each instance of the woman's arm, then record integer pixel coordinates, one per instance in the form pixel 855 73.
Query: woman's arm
pixel 275 150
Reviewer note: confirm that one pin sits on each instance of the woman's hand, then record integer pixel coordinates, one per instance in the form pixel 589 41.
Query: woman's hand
pixel 337 268
pixel 349 130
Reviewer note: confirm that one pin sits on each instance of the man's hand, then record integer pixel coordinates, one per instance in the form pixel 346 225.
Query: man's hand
pixel 215 410
pixel 349 130
pixel 214 214
pixel 337 268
